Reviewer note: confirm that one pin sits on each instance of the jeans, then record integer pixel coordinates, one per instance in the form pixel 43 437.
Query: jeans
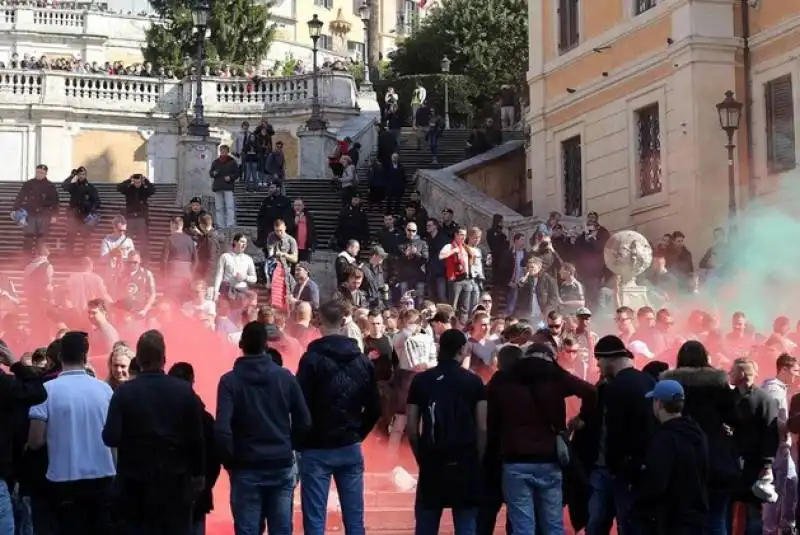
pixel 460 294
pixel 6 510
pixel 601 502
pixel 426 521
pixel 262 494
pixel 719 508
pixel 623 501
pixel 419 288
pixel 346 466
pixel 137 230
pixel 250 171
pixel 199 527
pixel 224 209
pixel 437 288
pixel 433 143
pixel 533 491
pixel 474 294
pixel 23 521
pixel 780 515
pixel 511 299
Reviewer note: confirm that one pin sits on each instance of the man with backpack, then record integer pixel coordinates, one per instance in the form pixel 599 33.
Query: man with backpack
pixel 451 404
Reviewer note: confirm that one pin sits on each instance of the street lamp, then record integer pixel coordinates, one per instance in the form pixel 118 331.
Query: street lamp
pixel 315 122
pixel 365 13
pixel 446 70
pixel 200 15
pixel 730 112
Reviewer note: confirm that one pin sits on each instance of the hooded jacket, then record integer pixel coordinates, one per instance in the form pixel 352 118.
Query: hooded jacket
pixel 261 415
pixel 671 497
pixel 339 385
pixel 711 403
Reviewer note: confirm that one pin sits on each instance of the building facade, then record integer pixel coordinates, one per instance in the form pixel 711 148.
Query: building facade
pixel 623 118
pixel 87 32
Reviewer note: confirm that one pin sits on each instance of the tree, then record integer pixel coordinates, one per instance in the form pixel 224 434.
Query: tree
pixel 487 42
pixel 239 33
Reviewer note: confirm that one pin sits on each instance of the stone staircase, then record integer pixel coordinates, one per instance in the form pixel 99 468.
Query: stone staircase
pixel 323 200
pixel 162 207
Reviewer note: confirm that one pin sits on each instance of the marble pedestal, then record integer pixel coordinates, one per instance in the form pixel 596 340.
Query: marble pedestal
pixel 315 147
pixel 195 155
pixel 634 296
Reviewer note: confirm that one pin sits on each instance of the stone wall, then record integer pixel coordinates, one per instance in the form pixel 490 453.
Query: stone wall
pixel 500 174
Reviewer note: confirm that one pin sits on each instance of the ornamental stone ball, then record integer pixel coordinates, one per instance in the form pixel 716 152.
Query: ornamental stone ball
pixel 628 254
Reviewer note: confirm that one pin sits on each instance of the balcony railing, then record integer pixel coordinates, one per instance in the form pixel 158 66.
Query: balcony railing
pixel 92 92
pixel 80 20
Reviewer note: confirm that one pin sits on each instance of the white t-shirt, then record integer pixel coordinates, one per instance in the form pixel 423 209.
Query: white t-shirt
pixel 123 244
pixel 207 308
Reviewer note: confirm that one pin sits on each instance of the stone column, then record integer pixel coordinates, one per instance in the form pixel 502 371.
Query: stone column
pixel 315 147
pixel 323 273
pixel 195 155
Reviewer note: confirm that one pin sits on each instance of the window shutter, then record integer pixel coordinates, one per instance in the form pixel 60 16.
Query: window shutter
pixel 563 24
pixel 780 125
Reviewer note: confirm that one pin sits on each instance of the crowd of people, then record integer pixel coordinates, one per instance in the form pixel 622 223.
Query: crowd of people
pixel 486 356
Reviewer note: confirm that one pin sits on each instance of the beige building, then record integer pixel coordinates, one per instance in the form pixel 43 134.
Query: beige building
pixel 623 117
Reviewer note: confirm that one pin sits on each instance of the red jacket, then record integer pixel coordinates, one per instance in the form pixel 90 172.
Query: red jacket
pixel 454 267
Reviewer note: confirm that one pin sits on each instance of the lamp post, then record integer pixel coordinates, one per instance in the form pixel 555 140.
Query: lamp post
pixel 730 112
pixel 365 13
pixel 446 70
pixel 315 122
pixel 200 14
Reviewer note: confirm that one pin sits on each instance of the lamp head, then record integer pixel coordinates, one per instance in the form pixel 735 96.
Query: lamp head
pixel 314 27
pixel 201 9
pixel 445 64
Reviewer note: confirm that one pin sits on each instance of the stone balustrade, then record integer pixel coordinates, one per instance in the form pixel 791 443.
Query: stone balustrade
pixel 171 97
pixel 82 20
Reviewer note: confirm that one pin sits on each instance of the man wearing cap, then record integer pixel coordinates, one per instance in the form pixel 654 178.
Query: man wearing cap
pixel 84 202
pixel 448 226
pixel 625 430
pixel 39 198
pixel 191 217
pixel 374 285
pixel 672 494
pixel 137 191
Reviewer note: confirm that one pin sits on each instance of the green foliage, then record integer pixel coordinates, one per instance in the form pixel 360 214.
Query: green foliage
pixel 239 33
pixel 487 42
pixel 288 65
pixel 461 91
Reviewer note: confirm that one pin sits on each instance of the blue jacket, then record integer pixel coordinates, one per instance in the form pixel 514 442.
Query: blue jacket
pixel 261 414
pixel 339 385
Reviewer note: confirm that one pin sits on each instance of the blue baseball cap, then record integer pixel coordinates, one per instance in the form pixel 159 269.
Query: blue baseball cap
pixel 666 390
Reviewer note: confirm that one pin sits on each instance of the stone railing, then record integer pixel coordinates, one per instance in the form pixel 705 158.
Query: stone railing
pixel 444 188
pixel 336 90
pixel 78 21
pixel 155 95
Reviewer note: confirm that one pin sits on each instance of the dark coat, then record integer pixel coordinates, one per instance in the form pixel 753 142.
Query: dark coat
pixel 545 291
pixel 272 209
pixel 311 238
pixel 136 199
pixel 353 225
pixel 38 197
pixel 224 166
pixel 394 180
pixel 83 197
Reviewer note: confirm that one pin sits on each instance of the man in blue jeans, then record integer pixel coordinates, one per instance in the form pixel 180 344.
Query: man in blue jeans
pixel 339 385
pixel 261 414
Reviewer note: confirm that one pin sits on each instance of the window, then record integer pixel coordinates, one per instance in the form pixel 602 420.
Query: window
pixel 568 36
pixel 648 150
pixel 327 4
pixel 325 42
pixel 356 49
pixel 644 5
pixel 572 176
pixel 408 18
pixel 780 125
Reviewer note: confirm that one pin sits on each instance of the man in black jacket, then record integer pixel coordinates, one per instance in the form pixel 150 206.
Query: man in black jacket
pixel 156 424
pixel 224 173
pixel 20 392
pixel 204 502
pixel 626 427
pixel 261 417
pixel 137 191
pixel 84 203
pixel 339 384
pixel 39 197
pixel 274 206
pixel 671 497
pixel 353 223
